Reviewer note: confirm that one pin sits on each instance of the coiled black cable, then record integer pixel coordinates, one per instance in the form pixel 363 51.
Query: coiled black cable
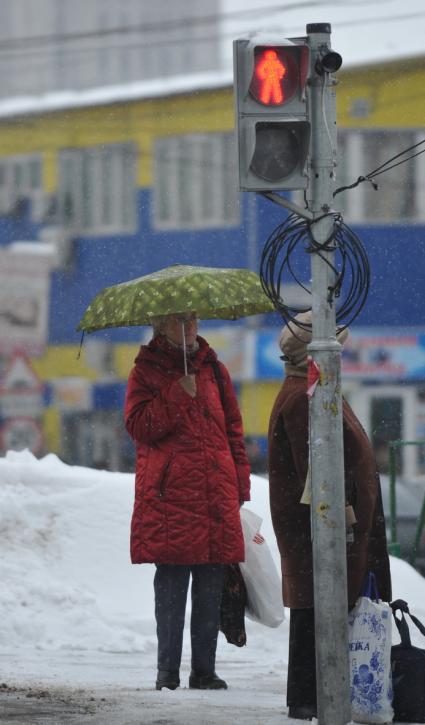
pixel 349 264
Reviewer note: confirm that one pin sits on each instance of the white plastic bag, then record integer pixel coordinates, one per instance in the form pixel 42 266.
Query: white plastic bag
pixel 369 641
pixel 262 580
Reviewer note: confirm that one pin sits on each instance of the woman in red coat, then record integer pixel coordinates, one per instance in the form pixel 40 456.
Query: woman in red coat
pixel 366 540
pixel 192 475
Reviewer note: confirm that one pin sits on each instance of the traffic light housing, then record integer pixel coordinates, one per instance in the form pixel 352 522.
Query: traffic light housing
pixel 273 129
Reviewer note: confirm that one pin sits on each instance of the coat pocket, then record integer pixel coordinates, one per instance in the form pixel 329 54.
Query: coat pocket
pixel 163 479
pixel 155 473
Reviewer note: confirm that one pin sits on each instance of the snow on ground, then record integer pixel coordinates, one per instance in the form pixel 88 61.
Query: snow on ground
pixel 77 632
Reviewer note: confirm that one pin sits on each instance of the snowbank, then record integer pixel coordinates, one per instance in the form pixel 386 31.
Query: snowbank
pixel 67 580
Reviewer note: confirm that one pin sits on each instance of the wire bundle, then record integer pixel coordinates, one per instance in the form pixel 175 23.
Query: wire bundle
pixel 349 263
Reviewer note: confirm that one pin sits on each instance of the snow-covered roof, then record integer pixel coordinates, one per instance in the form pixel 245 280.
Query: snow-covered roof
pixel 157 88
pixel 364 32
pixel 24 105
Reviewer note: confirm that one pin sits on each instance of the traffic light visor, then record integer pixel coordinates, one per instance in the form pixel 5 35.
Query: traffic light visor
pixel 279 72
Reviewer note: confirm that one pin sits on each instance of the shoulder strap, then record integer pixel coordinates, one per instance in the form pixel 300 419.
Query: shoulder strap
pixel 219 379
pixel 399 605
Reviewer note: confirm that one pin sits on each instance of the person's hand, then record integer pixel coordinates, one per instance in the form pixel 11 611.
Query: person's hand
pixel 188 384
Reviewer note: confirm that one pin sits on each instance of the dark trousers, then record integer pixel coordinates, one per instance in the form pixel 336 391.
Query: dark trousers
pixel 171 584
pixel 301 685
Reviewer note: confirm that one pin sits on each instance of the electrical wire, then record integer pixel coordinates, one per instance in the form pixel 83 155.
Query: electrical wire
pixel 324 117
pixel 162 26
pixel 343 252
pixel 26 52
pixel 383 168
pixel 82 57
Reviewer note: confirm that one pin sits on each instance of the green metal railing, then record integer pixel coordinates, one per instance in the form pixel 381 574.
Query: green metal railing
pixel 394 546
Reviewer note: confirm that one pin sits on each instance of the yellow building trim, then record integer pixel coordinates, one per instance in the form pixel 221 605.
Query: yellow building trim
pixel 123 359
pixel 61 361
pixel 139 122
pixel 52 430
pixel 387 95
pixel 257 399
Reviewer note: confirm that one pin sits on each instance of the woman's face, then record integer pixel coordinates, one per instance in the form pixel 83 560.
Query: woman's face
pixel 174 325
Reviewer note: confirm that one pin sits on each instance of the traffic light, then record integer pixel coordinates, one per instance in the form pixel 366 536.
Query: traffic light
pixel 272 124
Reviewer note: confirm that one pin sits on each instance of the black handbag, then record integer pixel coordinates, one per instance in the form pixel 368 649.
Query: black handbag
pixel 408 670
pixel 233 603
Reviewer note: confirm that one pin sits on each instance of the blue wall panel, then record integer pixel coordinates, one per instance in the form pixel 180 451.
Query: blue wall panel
pixel 397 258
pixel 102 261
pixel 396 254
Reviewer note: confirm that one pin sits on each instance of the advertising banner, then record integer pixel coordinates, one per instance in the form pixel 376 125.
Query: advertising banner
pixel 370 354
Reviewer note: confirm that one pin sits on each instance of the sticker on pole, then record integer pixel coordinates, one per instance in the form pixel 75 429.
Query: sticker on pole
pixel 313 376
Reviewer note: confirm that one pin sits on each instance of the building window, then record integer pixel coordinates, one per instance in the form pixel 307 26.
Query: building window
pixel 400 190
pixel 97 189
pixel 195 182
pixel 20 181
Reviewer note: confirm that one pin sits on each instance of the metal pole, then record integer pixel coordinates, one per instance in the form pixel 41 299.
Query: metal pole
pixel 418 535
pixel 394 547
pixel 325 424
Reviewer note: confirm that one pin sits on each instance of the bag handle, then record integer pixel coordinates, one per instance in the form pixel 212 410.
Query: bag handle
pixel 399 605
pixel 370 587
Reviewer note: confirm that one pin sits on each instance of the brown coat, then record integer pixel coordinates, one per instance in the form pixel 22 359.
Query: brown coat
pixel 288 463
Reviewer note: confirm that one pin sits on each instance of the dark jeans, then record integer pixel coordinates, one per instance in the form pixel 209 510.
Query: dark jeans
pixel 301 685
pixel 171 583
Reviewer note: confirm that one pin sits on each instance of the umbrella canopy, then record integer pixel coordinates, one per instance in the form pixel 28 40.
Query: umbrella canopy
pixel 211 292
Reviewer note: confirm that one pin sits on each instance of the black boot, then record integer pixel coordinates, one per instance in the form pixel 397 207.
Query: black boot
pixel 199 681
pixel 167 679
pixel 302 712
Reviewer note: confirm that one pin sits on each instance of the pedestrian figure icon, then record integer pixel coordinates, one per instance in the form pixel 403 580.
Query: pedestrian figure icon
pixel 270 70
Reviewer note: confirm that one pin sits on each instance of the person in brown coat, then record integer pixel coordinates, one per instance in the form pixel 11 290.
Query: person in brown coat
pixel 366 538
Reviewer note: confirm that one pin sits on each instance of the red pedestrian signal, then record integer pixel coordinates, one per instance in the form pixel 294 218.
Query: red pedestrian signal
pixel 270 71
pixel 275 78
pixel 272 120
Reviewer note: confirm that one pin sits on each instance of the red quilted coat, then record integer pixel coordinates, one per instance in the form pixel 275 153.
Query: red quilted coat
pixel 191 468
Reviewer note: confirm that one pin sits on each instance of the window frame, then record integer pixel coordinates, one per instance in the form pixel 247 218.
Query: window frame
pixel 183 156
pixel 10 193
pixel 355 208
pixel 87 164
pixel 355 211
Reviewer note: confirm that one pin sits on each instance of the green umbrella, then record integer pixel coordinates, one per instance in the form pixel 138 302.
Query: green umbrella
pixel 213 293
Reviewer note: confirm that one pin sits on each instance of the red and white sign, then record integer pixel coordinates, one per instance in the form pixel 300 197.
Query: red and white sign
pixel 21 390
pixel 17 434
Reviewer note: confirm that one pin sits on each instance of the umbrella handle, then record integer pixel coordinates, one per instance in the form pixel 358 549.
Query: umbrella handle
pixel 184 350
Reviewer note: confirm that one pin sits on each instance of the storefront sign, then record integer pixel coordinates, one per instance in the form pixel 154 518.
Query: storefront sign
pixel 382 355
pixel 232 347
pixel 24 300
pixel 73 394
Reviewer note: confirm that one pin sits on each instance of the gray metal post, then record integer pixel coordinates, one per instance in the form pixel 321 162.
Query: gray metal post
pixel 325 426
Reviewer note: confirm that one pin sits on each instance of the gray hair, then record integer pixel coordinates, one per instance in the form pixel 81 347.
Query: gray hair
pixel 157 324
